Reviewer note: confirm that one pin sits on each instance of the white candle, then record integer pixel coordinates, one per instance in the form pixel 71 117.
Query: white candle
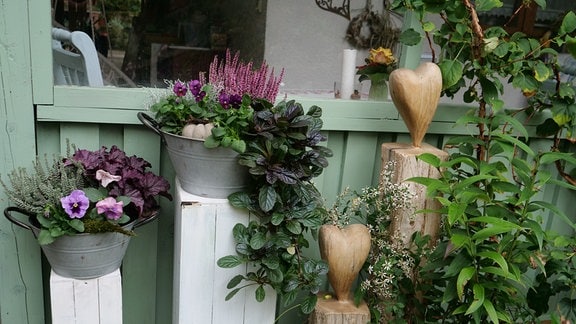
pixel 348 73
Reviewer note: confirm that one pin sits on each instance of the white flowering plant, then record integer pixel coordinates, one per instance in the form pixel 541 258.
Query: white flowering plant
pixel 390 273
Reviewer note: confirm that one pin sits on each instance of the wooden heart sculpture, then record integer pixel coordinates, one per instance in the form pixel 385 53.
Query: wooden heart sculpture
pixel 415 94
pixel 345 250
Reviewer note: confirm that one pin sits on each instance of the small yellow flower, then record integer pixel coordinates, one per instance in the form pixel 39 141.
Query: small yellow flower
pixel 382 56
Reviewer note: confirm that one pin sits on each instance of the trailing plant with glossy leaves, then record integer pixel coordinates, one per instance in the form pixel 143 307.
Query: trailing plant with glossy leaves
pixel 283 156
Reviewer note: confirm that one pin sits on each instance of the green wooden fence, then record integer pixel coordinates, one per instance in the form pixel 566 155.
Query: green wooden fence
pixel 355 132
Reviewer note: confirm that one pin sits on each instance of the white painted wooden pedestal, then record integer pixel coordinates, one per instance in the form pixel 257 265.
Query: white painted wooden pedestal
pixel 91 301
pixel 202 235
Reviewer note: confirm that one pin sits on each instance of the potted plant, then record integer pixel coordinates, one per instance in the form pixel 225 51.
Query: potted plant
pixel 377 69
pixel 83 200
pixel 495 260
pixel 278 149
pixel 204 123
pixel 283 156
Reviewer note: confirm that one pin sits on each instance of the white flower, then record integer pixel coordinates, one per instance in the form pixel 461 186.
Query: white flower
pixel 106 178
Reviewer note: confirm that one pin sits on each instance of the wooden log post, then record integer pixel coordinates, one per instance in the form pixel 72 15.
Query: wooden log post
pixel 404 223
pixel 330 310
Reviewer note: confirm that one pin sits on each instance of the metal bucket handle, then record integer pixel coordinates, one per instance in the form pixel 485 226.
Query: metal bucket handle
pixel 15 221
pixel 149 122
pixel 145 220
pixel 8 210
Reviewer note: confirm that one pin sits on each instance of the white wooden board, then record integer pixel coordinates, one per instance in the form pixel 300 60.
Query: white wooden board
pixel 92 301
pixel 202 235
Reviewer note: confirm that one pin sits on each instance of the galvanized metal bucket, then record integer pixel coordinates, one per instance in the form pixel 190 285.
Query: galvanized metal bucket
pixel 82 256
pixel 210 173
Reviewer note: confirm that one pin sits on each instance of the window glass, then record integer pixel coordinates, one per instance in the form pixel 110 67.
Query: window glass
pixel 144 42
pixel 149 41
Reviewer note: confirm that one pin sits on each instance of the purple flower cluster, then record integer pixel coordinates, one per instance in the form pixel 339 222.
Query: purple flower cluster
pixel 180 89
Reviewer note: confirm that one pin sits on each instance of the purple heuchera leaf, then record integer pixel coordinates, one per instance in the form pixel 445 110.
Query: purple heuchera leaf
pixel 75 204
pixel 111 208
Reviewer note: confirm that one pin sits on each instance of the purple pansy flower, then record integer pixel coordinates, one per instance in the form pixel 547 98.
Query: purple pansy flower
pixel 195 87
pixel 235 100
pixel 224 100
pixel 110 207
pixel 180 89
pixel 75 204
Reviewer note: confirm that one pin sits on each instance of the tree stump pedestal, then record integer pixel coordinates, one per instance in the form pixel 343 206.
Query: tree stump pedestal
pixel 333 311
pixel 404 224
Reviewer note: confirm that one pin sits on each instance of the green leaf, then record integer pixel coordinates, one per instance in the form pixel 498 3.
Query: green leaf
pixel 275 275
pixel 239 199
pixel 94 194
pixel 496 257
pixel 229 261
pixel 235 281
pixel 555 210
pixel 257 241
pixel 525 81
pixel 211 142
pixel 308 304
pixel 465 275
pixel 267 198
pixel 455 212
pixel 260 293
pixel 277 218
pixel 44 237
pixel 509 139
pixel 497 226
pixel 478 299
pixel 550 157
pixel 294 226
pixel 568 23
pixel 410 37
pixel 452 71
pixel 542 72
pixel 428 26
pixel 487 5
pixel 77 225
pixel 238 146
pixel 231 294
pixel 491 311
pixel 571 45
pixel 430 158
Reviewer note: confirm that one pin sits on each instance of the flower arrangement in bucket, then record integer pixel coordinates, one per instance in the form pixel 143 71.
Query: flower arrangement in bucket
pixel 102 192
pixel 379 64
pixel 214 113
pixel 218 109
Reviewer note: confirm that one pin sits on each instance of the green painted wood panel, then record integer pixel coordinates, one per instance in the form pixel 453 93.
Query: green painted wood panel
pixel 21 295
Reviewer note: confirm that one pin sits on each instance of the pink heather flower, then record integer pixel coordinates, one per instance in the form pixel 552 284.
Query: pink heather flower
pixel 106 178
pixel 239 78
pixel 75 204
pixel 110 207
pixel 180 89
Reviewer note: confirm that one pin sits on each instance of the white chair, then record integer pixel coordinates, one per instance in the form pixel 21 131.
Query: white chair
pixel 72 68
